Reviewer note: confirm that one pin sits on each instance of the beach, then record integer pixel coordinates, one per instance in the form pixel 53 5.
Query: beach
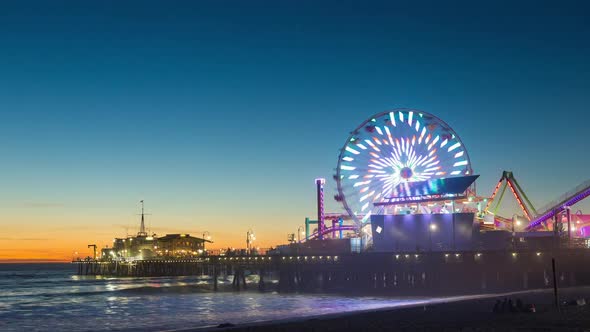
pixel 456 314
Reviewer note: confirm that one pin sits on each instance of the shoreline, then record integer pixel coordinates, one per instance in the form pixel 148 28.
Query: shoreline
pixel 448 313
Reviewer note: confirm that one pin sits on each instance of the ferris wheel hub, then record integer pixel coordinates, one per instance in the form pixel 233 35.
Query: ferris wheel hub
pixel 406 173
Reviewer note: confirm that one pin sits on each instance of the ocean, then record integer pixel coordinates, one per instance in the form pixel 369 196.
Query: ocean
pixel 50 297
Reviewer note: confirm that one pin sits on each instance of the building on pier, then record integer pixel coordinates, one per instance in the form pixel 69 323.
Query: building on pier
pixel 180 245
pixel 145 246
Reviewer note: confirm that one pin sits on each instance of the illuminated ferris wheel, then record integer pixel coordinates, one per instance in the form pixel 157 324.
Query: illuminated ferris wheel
pixel 390 148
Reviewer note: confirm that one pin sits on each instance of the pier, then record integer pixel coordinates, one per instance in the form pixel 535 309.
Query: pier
pixel 383 273
pixel 413 224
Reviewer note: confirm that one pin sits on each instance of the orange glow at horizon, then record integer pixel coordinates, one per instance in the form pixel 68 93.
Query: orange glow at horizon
pixel 46 240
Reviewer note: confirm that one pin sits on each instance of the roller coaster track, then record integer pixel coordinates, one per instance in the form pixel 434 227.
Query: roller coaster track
pixel 560 204
pixel 328 230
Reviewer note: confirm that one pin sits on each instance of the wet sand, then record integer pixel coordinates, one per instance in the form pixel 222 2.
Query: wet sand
pixel 457 314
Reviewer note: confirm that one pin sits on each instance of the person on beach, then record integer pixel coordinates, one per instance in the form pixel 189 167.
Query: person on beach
pixel 511 307
pixel 496 308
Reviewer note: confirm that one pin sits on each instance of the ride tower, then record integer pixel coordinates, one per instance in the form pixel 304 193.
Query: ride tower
pixel 320 205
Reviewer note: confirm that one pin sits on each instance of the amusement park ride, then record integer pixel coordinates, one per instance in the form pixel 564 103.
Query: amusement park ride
pixel 409 162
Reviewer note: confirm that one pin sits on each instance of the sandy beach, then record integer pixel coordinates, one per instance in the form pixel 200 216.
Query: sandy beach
pixel 454 314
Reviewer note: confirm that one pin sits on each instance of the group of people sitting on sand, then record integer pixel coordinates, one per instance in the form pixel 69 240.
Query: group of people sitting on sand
pixel 508 306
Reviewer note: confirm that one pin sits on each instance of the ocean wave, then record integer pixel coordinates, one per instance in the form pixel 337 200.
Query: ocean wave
pixel 23 276
pixel 133 291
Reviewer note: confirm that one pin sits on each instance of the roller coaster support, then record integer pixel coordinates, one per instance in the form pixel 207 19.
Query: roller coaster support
pixel 508 181
pixel 307 223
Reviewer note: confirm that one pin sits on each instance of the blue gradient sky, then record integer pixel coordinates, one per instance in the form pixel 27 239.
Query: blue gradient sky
pixel 220 114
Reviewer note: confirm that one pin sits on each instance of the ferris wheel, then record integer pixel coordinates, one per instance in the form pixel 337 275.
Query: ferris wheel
pixel 390 148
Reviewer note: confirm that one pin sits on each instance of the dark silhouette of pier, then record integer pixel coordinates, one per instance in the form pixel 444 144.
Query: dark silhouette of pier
pixel 383 273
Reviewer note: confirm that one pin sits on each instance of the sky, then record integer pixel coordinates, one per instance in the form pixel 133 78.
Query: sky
pixel 220 114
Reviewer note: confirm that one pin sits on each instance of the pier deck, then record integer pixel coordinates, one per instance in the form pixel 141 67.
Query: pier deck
pixel 413 273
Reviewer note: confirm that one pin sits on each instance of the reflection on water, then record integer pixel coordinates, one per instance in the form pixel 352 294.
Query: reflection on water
pixel 44 297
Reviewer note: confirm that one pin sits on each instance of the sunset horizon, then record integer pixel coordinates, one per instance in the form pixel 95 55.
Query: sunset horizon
pixel 294 166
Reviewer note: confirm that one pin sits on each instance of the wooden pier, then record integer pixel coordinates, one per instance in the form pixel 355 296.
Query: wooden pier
pixel 390 273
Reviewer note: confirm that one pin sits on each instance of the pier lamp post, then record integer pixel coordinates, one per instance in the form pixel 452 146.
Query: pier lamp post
pixel 431 228
pixel 249 238
pixel 569 224
pixel 206 233
pixel 362 233
pixel 514 221
pixel 300 232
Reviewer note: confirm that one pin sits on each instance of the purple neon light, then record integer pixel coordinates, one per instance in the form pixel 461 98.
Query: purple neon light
pixel 559 208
